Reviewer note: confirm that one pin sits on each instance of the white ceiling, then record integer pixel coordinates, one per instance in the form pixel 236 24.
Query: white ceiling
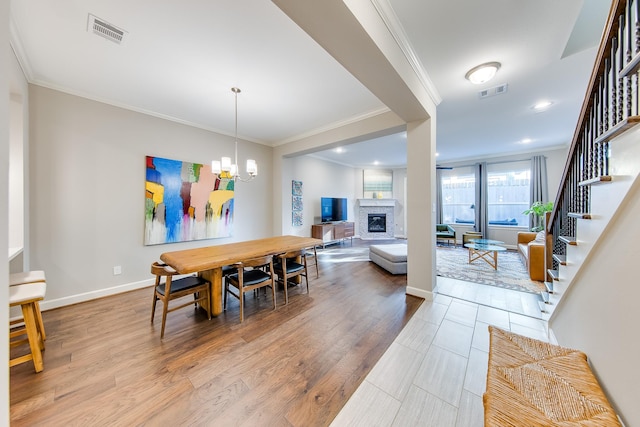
pixel 180 60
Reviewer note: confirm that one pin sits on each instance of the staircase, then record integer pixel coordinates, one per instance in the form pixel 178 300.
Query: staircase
pixel 600 169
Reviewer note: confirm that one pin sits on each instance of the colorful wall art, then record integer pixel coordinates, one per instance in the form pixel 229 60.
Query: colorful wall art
pixel 186 201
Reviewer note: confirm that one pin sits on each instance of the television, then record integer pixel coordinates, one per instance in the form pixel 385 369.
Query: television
pixel 333 209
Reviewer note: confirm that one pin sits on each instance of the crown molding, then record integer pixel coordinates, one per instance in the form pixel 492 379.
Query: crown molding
pixel 391 21
pixel 16 44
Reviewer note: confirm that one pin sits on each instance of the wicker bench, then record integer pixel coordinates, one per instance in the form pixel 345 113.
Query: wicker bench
pixel 533 383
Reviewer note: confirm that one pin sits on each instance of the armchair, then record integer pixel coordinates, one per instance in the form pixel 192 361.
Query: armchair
pixel 446 232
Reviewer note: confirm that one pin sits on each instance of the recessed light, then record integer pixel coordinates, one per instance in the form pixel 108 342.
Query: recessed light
pixel 339 150
pixel 542 105
pixel 376 163
pixel 437 154
pixel 526 140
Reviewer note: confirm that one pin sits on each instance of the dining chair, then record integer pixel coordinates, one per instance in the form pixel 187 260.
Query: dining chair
pixel 178 288
pixel 287 267
pixel 250 274
pixel 312 254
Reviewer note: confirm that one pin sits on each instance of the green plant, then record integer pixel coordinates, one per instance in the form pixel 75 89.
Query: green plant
pixel 538 209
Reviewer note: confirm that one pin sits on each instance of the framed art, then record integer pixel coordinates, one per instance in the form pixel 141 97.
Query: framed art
pixel 185 201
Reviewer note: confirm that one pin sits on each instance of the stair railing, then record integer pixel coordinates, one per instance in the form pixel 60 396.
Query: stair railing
pixel 610 107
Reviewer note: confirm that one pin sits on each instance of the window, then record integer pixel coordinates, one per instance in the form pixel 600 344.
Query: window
pixel 508 193
pixel 458 195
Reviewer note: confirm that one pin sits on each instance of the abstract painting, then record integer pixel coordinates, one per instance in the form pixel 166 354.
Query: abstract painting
pixel 186 201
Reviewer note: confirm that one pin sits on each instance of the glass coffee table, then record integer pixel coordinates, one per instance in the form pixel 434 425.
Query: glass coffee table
pixel 485 249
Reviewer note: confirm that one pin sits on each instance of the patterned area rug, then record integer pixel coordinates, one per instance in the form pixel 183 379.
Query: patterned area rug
pixel 454 263
pixel 511 272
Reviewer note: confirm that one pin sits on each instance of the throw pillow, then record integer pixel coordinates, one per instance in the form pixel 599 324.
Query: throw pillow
pixel 540 237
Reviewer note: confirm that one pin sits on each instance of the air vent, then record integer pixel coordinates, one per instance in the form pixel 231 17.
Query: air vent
pixel 492 91
pixel 103 29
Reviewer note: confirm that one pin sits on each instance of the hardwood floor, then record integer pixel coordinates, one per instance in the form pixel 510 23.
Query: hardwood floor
pixel 106 365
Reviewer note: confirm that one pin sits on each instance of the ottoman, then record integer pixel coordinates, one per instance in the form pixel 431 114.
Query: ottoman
pixel 392 258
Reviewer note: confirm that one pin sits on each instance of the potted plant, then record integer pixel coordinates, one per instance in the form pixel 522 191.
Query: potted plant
pixel 538 209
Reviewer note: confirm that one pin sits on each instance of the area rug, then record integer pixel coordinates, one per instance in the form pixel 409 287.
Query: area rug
pixel 511 272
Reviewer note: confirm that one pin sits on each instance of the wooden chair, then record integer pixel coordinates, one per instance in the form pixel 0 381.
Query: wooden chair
pixel 174 289
pixel 288 267
pixel 26 277
pixel 250 276
pixel 311 254
pixel 26 296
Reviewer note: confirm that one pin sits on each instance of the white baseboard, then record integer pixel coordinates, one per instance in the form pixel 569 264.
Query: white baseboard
pixel 87 296
pixel 420 293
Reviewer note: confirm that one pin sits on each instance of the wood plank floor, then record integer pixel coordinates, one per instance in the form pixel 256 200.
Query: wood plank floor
pixel 296 366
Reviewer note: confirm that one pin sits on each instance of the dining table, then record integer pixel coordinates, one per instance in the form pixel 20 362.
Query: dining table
pixel 208 261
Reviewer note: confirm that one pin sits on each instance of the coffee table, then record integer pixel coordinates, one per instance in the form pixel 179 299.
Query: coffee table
pixel 486 241
pixel 487 252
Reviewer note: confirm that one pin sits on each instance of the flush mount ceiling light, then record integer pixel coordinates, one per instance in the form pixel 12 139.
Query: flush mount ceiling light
pixel 482 73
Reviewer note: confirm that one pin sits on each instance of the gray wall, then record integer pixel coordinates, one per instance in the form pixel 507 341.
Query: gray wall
pixel 87 165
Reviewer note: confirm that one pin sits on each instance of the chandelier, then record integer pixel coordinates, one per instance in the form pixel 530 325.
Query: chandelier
pixel 224 167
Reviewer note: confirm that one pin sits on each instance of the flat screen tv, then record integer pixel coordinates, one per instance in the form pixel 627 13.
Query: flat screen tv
pixel 333 209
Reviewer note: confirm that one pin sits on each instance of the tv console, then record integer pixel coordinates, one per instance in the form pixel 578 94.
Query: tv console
pixel 333 232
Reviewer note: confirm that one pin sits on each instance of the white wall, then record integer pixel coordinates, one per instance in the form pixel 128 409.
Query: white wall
pixel 320 179
pixel 598 313
pixel 4 201
pixel 87 165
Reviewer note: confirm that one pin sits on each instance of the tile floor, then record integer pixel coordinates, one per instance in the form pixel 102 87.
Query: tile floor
pixel 434 373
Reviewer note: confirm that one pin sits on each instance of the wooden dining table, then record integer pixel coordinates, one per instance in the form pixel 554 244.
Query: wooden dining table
pixel 208 261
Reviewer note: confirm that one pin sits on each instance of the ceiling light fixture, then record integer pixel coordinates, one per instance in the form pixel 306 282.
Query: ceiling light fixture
pixel 482 73
pixel 526 141
pixel 223 167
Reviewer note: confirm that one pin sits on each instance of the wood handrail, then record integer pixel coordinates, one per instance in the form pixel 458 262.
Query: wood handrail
pixel 611 28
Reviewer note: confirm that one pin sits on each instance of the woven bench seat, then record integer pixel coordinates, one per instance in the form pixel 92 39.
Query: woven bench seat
pixel 533 383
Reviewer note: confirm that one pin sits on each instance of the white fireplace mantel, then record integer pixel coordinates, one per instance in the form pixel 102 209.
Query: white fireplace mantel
pixel 377 202
pixel 376 206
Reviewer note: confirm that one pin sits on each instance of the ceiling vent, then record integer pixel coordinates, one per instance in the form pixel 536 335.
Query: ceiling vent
pixel 104 29
pixel 492 91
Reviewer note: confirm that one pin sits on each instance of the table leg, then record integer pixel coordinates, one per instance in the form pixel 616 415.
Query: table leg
pixel 215 291
pixel 485 256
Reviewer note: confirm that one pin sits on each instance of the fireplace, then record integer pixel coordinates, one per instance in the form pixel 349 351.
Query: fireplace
pixel 383 224
pixel 377 223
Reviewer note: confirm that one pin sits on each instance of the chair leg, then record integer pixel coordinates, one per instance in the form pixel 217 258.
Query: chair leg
pixel 153 306
pixel 285 285
pixel 40 322
pixel 241 294
pixel 226 293
pixel 35 339
pixel 273 293
pixel 315 259
pixel 164 315
pixel 208 305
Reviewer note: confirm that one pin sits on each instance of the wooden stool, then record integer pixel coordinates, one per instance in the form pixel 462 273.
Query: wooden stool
pixel 26 296
pixel 25 277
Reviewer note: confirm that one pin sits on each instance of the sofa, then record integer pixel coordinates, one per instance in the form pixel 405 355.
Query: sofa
pixel 531 246
pixel 445 232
